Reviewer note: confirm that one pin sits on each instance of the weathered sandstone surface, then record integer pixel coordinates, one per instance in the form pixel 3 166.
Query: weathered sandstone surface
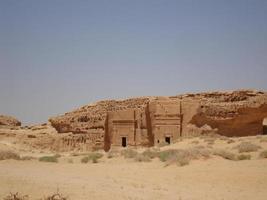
pixel 9 121
pixel 233 113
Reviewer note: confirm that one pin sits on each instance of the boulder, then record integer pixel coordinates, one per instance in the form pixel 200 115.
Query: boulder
pixel 9 121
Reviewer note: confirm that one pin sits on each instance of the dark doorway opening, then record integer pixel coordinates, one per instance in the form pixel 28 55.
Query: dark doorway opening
pixel 123 141
pixel 264 130
pixel 168 140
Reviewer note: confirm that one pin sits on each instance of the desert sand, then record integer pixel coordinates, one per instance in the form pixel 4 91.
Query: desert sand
pixel 124 178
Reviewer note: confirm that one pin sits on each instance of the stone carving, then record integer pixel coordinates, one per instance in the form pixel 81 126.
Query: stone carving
pixel 150 120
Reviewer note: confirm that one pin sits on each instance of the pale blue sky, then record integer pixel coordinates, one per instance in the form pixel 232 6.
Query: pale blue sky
pixel 57 55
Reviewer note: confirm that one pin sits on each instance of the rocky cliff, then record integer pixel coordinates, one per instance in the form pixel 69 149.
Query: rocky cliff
pixel 9 121
pixel 92 117
pixel 233 113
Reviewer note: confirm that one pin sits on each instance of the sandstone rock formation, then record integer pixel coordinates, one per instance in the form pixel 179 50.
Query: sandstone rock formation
pixel 9 121
pixel 151 120
pixel 264 123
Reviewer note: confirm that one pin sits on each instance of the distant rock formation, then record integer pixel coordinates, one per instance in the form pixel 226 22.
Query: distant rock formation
pixel 151 120
pixel 9 121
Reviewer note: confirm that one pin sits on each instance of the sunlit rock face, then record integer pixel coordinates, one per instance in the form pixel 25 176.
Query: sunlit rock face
pixel 147 121
pixel 9 121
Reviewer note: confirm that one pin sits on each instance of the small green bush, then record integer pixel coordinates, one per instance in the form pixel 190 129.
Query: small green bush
pixel 48 159
pixel 263 154
pixel 4 155
pixel 244 157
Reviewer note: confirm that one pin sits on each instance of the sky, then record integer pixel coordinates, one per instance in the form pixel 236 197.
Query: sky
pixel 58 55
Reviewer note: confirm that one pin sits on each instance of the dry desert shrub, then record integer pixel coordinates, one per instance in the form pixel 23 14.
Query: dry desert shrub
pixel 224 154
pixel 178 159
pixel 263 154
pixel 230 141
pixel 16 196
pixel 129 153
pixel 56 196
pixel 27 158
pixel 142 158
pixel 113 153
pixel 48 159
pixel 247 147
pixel 264 139
pixel 4 155
pixel 151 153
pixel 92 157
pixel 172 156
pixel 244 157
pixel 195 142
pixel 78 154
pixel 183 156
pixel 210 140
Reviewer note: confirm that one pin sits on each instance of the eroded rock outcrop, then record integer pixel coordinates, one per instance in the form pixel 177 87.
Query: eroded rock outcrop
pixel 156 119
pixel 9 121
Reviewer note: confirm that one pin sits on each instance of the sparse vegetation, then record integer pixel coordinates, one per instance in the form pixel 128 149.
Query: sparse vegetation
pixel 57 155
pixel 264 139
pixel 150 153
pixel 183 156
pixel 113 153
pixel 5 155
pixel 85 159
pixel 56 196
pixel 178 157
pixel 263 154
pixel 224 154
pixel 195 142
pixel 142 158
pixel 27 158
pixel 230 141
pixel 92 157
pixel 70 160
pixel 244 157
pixel 17 196
pixel 210 140
pixel 49 159
pixel 129 153
pixel 247 147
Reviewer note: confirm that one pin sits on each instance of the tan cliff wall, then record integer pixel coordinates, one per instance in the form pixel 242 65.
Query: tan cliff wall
pixel 236 113
pixel 9 121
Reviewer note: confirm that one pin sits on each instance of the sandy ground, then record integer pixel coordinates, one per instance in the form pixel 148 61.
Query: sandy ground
pixel 119 178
